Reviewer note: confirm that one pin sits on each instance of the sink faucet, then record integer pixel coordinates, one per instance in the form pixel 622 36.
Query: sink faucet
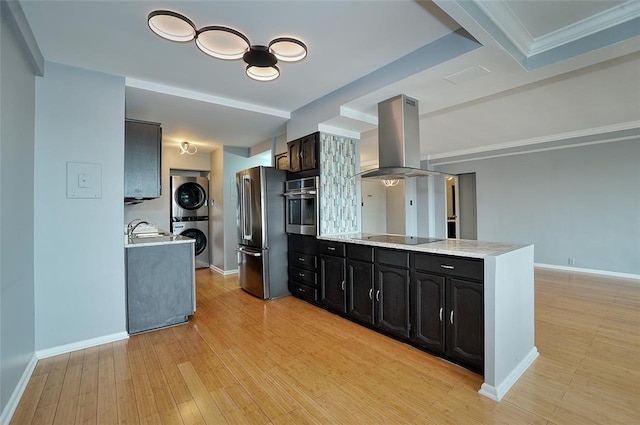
pixel 131 227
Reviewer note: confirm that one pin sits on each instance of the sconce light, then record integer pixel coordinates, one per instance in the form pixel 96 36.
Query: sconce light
pixel 188 148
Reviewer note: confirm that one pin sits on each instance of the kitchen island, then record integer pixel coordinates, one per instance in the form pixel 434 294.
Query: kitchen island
pixel 160 276
pixel 497 277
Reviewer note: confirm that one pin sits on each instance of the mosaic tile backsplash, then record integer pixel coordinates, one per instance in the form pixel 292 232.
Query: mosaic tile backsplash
pixel 338 196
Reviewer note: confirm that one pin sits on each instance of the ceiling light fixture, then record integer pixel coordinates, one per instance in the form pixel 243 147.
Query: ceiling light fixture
pixel 390 182
pixel 188 148
pixel 229 44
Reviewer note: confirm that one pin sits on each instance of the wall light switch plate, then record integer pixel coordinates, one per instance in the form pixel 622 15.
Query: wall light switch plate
pixel 84 180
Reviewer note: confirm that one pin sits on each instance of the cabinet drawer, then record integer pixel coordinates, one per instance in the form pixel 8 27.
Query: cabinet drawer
pixel 303 276
pixel 303 261
pixel 360 253
pixel 451 266
pixel 303 291
pixel 392 257
pixel 331 248
pixel 302 243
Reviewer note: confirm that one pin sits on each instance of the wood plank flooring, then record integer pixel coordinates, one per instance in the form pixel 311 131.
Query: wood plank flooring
pixel 241 360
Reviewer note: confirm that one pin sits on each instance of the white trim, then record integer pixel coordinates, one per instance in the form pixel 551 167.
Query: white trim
pixel 80 345
pixel 523 152
pixel 544 139
pixel 202 97
pixel 223 272
pixel 602 21
pixel 496 393
pixel 589 271
pixel 505 19
pixel 18 391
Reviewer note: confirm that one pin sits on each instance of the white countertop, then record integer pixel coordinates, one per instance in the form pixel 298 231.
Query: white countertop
pixel 457 247
pixel 164 239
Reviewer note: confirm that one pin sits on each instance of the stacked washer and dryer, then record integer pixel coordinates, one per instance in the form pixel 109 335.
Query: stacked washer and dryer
pixel 190 213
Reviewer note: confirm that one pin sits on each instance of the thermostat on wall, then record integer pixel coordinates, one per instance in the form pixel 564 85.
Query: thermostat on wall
pixel 84 180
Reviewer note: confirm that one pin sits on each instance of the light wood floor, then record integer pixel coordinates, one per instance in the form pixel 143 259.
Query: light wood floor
pixel 241 360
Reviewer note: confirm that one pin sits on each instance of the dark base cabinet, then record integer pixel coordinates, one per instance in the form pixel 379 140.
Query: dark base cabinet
pixel 448 312
pixel 360 302
pixel 392 298
pixel 429 312
pixel 332 276
pixel 466 322
pixel 303 280
pixel 434 302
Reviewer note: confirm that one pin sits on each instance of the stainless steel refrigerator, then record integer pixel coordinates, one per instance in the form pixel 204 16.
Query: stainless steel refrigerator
pixel 262 240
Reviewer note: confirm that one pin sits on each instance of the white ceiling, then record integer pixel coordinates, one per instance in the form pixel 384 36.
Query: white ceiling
pixel 554 67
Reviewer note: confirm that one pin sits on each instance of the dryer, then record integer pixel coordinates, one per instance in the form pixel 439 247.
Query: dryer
pixel 189 197
pixel 196 228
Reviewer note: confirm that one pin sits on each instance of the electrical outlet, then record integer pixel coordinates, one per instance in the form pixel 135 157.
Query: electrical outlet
pixel 572 261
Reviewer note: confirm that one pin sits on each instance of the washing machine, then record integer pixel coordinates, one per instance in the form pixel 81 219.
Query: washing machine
pixel 196 228
pixel 189 197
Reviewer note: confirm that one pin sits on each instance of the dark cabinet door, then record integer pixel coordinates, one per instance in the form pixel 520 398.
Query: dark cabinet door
pixel 293 153
pixel 466 322
pixel 282 161
pixel 360 301
pixel 308 152
pixel 142 153
pixel 429 311
pixel 392 300
pixel 332 283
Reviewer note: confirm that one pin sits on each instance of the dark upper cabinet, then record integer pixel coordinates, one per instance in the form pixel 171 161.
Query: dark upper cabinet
pixel 303 153
pixel 142 160
pixel 293 155
pixel 281 161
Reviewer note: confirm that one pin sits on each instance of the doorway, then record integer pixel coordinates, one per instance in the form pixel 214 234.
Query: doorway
pixel 461 206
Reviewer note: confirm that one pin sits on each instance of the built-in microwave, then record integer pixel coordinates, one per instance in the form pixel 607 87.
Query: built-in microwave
pixel 302 206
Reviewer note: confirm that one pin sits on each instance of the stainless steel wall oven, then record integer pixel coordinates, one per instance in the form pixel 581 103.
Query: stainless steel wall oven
pixel 302 206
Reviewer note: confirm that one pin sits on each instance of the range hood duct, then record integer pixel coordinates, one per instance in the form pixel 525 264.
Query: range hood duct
pixel 398 141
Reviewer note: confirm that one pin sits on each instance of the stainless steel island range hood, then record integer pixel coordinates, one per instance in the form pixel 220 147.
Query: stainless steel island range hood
pixel 398 141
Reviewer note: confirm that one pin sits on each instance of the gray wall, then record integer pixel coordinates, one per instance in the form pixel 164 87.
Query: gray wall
pixel 225 163
pixel 79 267
pixel 579 202
pixel 17 328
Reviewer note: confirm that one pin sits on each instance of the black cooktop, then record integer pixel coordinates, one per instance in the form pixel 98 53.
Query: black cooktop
pixel 399 239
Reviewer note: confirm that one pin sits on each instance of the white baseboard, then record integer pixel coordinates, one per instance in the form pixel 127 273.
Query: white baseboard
pixel 496 393
pixel 12 404
pixel 223 272
pixel 588 271
pixel 80 345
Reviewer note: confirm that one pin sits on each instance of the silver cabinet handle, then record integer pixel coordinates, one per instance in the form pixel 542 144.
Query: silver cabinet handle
pixel 451 317
pixel 301 274
pixel 441 313
pixel 249 253
pixel 445 266
pixel 378 295
pixel 343 285
pixel 371 293
pixel 330 248
pixel 301 259
pixel 301 290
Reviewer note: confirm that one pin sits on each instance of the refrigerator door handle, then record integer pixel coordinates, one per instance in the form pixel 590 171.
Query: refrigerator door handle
pixel 245 194
pixel 249 253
